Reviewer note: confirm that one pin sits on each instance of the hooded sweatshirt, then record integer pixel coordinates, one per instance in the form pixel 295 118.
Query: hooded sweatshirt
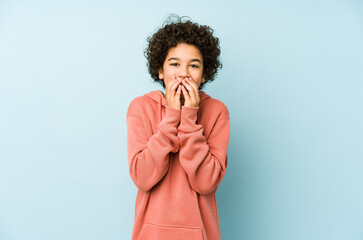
pixel 176 158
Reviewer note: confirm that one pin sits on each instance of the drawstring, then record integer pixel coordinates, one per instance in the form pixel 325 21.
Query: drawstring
pixel 160 111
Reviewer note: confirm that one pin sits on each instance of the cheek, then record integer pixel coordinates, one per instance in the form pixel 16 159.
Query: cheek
pixel 197 76
pixel 169 74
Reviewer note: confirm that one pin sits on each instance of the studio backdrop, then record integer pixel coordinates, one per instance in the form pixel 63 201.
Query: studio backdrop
pixel 292 80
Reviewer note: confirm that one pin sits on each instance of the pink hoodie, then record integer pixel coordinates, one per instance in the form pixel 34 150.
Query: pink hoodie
pixel 177 158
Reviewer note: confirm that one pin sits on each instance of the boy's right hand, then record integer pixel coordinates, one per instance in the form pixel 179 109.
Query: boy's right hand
pixel 172 93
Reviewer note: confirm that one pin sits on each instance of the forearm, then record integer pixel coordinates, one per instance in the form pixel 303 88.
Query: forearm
pixel 149 158
pixel 204 160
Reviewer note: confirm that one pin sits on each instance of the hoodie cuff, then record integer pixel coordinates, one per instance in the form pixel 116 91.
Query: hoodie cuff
pixel 172 116
pixel 188 119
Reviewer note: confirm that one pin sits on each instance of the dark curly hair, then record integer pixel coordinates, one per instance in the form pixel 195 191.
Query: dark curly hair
pixel 173 32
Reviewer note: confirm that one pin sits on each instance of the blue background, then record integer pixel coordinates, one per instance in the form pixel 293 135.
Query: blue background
pixel 292 80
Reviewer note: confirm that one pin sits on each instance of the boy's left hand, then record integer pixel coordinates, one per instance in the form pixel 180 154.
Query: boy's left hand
pixel 191 92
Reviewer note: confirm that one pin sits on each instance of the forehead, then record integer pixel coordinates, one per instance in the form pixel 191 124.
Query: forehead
pixel 184 51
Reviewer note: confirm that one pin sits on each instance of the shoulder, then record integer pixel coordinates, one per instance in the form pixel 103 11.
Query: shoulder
pixel 137 104
pixel 215 106
pixel 139 100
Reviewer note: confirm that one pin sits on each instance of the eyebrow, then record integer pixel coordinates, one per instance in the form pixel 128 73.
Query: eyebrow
pixel 193 60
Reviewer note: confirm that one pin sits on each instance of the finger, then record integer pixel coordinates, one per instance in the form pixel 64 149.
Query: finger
pixel 170 89
pixel 170 82
pixel 174 86
pixel 192 83
pixel 192 90
pixel 186 94
pixel 187 85
pixel 178 91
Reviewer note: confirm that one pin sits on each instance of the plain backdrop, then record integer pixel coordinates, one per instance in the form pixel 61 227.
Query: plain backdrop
pixel 292 80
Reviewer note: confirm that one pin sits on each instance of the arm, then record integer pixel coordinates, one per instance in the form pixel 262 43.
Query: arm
pixel 204 160
pixel 148 157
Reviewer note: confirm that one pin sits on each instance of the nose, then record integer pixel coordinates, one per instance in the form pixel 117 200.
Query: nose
pixel 184 72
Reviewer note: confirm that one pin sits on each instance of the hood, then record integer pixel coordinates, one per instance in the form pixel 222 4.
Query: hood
pixel 158 97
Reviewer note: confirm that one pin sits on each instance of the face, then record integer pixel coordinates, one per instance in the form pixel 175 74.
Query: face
pixel 182 61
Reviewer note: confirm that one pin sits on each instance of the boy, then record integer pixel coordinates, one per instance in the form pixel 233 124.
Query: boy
pixel 177 142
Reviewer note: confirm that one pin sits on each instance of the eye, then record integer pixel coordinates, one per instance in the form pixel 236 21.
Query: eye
pixel 194 66
pixel 174 64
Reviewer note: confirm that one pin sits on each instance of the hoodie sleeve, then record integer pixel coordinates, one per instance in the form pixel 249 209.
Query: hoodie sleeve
pixel 148 156
pixel 204 160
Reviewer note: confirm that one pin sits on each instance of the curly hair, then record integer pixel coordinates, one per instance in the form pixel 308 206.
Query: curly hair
pixel 170 34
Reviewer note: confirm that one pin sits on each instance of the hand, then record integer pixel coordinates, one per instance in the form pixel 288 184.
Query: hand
pixel 190 92
pixel 172 93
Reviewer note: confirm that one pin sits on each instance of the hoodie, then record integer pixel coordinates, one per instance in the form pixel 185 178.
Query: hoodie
pixel 176 158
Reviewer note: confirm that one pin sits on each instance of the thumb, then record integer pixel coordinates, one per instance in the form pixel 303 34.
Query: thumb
pixel 178 91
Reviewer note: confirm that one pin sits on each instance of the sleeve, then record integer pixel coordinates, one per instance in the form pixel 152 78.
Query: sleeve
pixel 148 157
pixel 204 160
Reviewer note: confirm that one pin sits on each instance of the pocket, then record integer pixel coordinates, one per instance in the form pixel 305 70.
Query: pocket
pixel 151 231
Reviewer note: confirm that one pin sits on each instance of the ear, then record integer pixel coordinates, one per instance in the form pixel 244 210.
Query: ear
pixel 203 78
pixel 161 74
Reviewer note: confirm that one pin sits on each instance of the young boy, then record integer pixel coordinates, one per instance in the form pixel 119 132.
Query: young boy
pixel 177 142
